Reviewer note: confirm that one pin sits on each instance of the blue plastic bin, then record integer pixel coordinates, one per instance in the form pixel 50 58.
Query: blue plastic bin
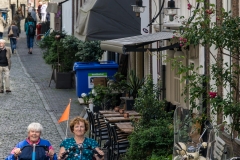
pixel 85 72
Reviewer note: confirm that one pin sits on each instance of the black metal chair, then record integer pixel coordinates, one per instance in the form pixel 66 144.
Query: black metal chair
pixel 120 142
pixel 99 130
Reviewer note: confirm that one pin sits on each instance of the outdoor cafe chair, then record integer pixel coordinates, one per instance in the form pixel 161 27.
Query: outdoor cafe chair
pixel 98 129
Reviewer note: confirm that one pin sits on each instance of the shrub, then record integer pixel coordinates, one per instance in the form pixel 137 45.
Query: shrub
pixel 153 133
pixel 89 51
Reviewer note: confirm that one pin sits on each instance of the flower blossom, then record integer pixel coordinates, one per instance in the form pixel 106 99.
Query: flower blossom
pixel 83 95
pixel 189 6
pixel 212 94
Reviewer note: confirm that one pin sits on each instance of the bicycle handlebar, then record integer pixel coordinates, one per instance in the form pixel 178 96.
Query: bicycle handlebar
pixel 46 148
pixel 80 147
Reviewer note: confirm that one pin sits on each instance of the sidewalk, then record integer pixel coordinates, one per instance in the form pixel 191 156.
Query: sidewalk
pixel 31 100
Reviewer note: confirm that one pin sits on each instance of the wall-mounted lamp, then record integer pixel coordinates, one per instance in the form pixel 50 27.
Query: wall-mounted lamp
pixel 179 54
pixel 138 8
pixel 171 10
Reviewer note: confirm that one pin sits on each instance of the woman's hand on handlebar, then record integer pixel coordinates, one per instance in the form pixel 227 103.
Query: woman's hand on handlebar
pixel 100 152
pixel 51 153
pixel 17 151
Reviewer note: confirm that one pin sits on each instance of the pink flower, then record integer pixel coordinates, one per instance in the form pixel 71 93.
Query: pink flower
pixel 184 40
pixel 181 44
pixel 180 39
pixel 189 6
pixel 212 94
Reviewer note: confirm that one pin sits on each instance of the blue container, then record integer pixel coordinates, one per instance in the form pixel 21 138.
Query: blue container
pixel 85 72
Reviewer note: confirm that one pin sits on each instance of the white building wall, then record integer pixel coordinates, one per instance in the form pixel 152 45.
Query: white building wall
pixel 67 17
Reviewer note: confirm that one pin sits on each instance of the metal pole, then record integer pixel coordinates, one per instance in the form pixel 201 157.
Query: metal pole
pixel 17 3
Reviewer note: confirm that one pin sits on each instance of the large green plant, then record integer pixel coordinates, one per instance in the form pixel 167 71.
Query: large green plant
pixel 153 134
pixel 67 57
pixel 133 84
pixel 103 96
pixel 61 50
pixel 89 51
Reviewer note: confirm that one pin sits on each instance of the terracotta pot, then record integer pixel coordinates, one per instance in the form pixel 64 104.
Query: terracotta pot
pixel 121 111
pixel 116 109
pixel 126 115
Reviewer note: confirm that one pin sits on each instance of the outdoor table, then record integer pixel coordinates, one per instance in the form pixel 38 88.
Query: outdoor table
pixel 121 115
pixel 114 112
pixel 125 127
pixel 121 119
pixel 108 112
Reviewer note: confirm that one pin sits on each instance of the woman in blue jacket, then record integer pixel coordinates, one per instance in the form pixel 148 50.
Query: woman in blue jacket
pixel 23 150
pixel 30 30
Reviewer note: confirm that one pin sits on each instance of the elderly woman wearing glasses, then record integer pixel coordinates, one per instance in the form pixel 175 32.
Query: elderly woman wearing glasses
pixel 23 150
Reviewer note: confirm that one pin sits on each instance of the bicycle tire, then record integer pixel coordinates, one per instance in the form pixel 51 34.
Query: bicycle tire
pixel 38 39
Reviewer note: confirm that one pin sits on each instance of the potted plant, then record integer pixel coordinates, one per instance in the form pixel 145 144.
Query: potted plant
pixel 130 86
pixel 89 51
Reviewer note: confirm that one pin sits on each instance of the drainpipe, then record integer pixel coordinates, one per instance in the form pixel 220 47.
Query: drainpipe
pixel 73 17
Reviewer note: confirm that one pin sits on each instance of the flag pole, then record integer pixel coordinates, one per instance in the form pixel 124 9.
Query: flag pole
pixel 66 130
pixel 67 121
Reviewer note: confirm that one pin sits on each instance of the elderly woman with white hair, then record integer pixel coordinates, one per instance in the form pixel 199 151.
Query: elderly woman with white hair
pixel 23 150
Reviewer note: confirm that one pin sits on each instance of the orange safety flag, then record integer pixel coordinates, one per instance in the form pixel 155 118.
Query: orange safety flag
pixel 65 115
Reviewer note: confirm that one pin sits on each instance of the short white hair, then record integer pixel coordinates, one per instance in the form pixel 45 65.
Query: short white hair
pixel 2 40
pixel 35 127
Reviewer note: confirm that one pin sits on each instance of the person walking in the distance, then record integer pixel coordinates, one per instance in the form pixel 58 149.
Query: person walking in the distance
pixel 34 16
pixel 18 17
pixel 13 34
pixel 2 24
pixel 43 12
pixel 39 10
pixel 30 29
pixel 5 66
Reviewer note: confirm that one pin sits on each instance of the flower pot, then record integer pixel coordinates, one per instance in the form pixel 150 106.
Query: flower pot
pixel 121 111
pixel 126 115
pixel 116 109
pixel 64 80
pixel 91 107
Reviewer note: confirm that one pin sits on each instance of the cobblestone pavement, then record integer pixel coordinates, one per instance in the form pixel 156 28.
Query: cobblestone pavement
pixel 31 100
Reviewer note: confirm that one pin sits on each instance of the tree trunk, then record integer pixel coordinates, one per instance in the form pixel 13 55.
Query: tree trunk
pixel 207 67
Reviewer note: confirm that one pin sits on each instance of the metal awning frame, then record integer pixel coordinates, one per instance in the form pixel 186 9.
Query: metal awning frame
pixel 140 47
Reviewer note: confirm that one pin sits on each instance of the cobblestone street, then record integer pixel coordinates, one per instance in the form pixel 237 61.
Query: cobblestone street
pixel 31 100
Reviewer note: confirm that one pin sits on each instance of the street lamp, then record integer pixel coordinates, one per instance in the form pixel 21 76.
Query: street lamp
pixel 138 8
pixel 171 10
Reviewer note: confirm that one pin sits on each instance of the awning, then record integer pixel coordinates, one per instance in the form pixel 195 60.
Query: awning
pixel 107 19
pixel 4 9
pixel 58 1
pixel 135 43
pixel 52 8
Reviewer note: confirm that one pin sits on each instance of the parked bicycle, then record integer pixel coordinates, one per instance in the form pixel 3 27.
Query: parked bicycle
pixel 40 37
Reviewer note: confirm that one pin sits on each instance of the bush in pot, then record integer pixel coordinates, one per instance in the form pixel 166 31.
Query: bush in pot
pixel 89 51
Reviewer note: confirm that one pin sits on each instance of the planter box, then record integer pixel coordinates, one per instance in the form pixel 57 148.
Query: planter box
pixel 128 103
pixel 63 80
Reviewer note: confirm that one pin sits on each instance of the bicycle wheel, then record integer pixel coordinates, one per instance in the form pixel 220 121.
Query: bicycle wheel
pixel 38 39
